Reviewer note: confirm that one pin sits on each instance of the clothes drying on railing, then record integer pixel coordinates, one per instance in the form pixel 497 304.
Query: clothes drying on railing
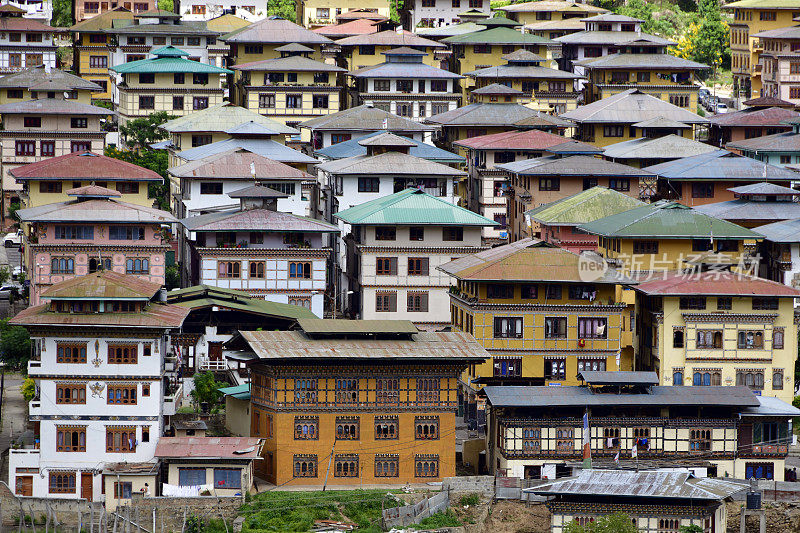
pixel 179 491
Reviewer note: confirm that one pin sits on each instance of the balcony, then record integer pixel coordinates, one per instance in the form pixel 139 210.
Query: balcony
pixel 34 367
pixel 35 407
pixel 213 365
pixel 173 398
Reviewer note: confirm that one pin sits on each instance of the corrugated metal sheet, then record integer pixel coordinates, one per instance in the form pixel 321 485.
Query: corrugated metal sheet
pixel 347 29
pixel 629 107
pixel 221 118
pixel 343 327
pixel 168 64
pixel 722 165
pixel 654 61
pixel 240 392
pixel 668 147
pixel 155 316
pixel 34 76
pixel 244 448
pixel 522 71
pixel 451 30
pixel 713 283
pixel 148 468
pixel 395 163
pixel 770 116
pixel 84 166
pixel 496 114
pixel 585 206
pixel 186 27
pixel 771 407
pixel 52 106
pixel 104 284
pixel 200 296
pixel 419 149
pixel 275 30
pixel 289 64
pixel 389 38
pixel 619 377
pixel 364 118
pixel 403 70
pixel 749 210
pixel 95 210
pixel 236 164
pixel 561 6
pixel 778 142
pixel 611 38
pixel 573 396
pixel 411 207
pixel 576 165
pixel 785 231
pixel 257 220
pixel 263 147
pixel 513 140
pixel 501 35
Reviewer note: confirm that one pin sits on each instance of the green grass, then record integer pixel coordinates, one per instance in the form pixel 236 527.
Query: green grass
pixel 470 499
pixel 445 519
pixel 297 511
pixel 722 77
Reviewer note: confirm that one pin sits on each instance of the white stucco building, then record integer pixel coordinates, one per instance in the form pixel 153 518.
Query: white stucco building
pixel 101 350
pixel 249 10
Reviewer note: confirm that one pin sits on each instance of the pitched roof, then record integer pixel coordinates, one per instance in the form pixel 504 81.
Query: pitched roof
pixel 388 163
pixel 37 75
pixel 767 101
pixel 662 122
pixel 387 139
pixel 226 23
pixel 762 4
pixel 576 165
pixel 585 206
pixel 744 209
pixel 241 448
pixel 239 392
pixel 170 61
pixel 611 37
pixel 347 29
pixel 667 147
pixel 184 27
pixel 528 260
pixel 497 88
pixel 666 220
pixel 723 165
pixel 559 6
pixel 257 191
pixel 575 148
pixel 629 107
pixel 364 118
pixel 655 61
pixel 223 117
pixel 105 210
pixel 204 296
pixel 388 38
pixel 153 316
pixel 497 21
pixel 782 231
pixel 52 106
pixel 769 116
pixel 275 30
pixel 764 188
pixel 93 191
pixel 501 35
pixel 263 147
pixel 25 24
pixel 392 69
pixel 102 285
pixel 497 114
pixel 411 206
pixel 513 140
pixel 523 56
pixel 289 64
pixel 714 283
pixel 86 166
pixel 521 71
pixel 788 141
pixel 257 220
pixel 238 164
pixel 452 29
pixel 420 149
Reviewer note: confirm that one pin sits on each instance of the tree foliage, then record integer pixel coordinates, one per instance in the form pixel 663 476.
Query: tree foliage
pixel 144 131
pixel 155 160
pixel 62 13
pixel 166 5
pixel 612 523
pixel 206 388
pixel 15 345
pixel 282 8
pixel 28 389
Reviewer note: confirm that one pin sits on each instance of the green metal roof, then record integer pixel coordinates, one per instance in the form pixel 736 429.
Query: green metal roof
pixel 501 35
pixel 240 392
pixel 168 64
pixel 169 51
pixel 200 296
pixel 412 207
pixel 666 220
pixel 586 206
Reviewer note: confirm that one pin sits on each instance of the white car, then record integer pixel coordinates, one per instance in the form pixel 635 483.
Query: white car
pixel 721 108
pixel 13 239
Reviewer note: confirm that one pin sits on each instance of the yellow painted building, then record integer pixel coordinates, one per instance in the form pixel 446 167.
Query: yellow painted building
pixel 356 402
pixel 91 52
pixel 718 329
pixel 527 303
pixel 316 13
pixel 751 17
pixel 36 83
pixel 261 40
pixel 367 50
pixel 551 10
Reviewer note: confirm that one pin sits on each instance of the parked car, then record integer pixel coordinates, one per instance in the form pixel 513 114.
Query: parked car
pixel 702 96
pixel 721 108
pixel 13 239
pixel 711 103
pixel 7 291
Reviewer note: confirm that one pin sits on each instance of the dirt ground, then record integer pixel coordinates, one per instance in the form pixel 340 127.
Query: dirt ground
pixel 516 517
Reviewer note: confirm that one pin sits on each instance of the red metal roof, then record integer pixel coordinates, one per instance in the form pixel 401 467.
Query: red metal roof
pixel 209 447
pixel 84 165
pixel 514 140
pixel 23 24
pixel 157 316
pixel 354 27
pixel 712 283
pixel 769 116
pixel 767 101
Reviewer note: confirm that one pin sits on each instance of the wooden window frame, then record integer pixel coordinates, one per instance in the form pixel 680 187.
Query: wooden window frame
pixel 117 354
pixel 123 446
pixel 61 482
pixel 77 393
pixel 65 433
pixel 124 390
pixel 387 427
pixel 387 465
pixel 426 428
pixel 81 347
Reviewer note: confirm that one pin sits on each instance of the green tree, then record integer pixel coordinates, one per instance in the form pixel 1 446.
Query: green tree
pixel 286 9
pixel 166 5
pixel 62 13
pixel 28 389
pixel 15 345
pixel 142 132
pixel 172 277
pixel 711 45
pixel 694 528
pixel 155 160
pixel 612 523
pixel 206 388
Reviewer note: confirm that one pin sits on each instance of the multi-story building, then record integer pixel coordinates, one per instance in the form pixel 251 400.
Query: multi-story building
pixel 316 388
pixel 406 86
pixel 535 182
pixel 714 431
pixel 756 204
pixel 751 17
pixel 615 119
pixel 708 178
pixel 366 50
pixel 763 116
pixel 419 149
pixel 488 184
pixel 33 9
pixel 316 13
pixel 551 10
pixel 290 89
pixel 218 50
pixel 168 82
pixel 88 9
pixel 545 89
pixel 44 127
pixel 558 220
pixel 251 10
pixel 779 63
pixel 24 42
pixel 261 39
pixel 98 359
pixel 277 256
pixel 778 149
pixel 93 231
pixel 28 84
pixel 395 245
pixel 718 329
pixel 529 304
pixel 423 14
pixel 654 147
pixel 780 251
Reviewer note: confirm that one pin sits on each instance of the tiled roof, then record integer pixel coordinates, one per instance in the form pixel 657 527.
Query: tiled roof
pixel 37 75
pixel 770 116
pixel 237 164
pixel 84 166
pixel 513 140
pixel 263 147
pixel 712 283
pixel 239 448
pixel 558 6
pixel 654 61
pixel 221 118
pixel 52 106
pixel 666 220
pixel 103 285
pixel 501 35
pixel 722 165
pixel 576 165
pixel 525 260
pixel 420 149
pixel 629 107
pixel 668 147
pixel 275 30
pixel 364 118
pixel 257 220
pixel 389 38
pixel 388 163
pixel 787 141
pixel 289 64
pixel 497 114
pixel 585 206
pixel 411 206
pixel 95 210
pixel 204 296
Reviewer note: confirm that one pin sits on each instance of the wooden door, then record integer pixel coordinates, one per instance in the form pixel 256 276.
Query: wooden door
pixel 87 486
pixel 215 351
pixel 24 485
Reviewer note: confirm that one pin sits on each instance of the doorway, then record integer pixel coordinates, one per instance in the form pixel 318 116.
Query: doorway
pixel 87 487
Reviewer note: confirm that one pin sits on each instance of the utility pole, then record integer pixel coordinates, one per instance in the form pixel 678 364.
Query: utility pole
pixel 330 460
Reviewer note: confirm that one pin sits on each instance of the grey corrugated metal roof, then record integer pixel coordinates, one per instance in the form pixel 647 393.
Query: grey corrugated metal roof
pixel 387 139
pixel 352 148
pixel 629 107
pixel 389 38
pixel 257 220
pixel 783 231
pixel 364 118
pixel 654 61
pixel 53 106
pixel 521 71
pixel 749 210
pixel 126 27
pixel 257 191
pixel 223 117
pixel 619 377
pixel 389 163
pixel 668 147
pixel 403 70
pixel 666 395
pixel 496 88
pixel 658 484
pixel 495 114
pixel 722 165
pixel 771 407
pixel 343 327
pixel 36 75
pixel 238 164
pixel 289 64
pixel 661 122
pixel 275 30
pixel 294 47
pixel 780 142
pixel 95 210
pixel 263 147
pixel 610 37
pixel 764 187
pixel 576 165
